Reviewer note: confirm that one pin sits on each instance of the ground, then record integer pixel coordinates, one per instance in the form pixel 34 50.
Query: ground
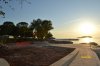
pixel 97 51
pixel 34 56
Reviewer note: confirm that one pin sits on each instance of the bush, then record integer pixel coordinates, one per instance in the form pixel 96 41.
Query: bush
pixel 93 43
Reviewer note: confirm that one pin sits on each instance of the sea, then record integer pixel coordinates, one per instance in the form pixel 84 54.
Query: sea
pixel 87 40
pixel 84 40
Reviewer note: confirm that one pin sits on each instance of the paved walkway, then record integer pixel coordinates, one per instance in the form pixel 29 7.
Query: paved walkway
pixel 85 57
pixel 3 62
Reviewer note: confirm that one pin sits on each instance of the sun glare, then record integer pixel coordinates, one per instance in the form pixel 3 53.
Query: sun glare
pixel 87 28
pixel 87 40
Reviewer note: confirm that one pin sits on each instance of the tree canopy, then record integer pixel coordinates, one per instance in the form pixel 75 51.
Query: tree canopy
pixel 38 29
pixel 41 28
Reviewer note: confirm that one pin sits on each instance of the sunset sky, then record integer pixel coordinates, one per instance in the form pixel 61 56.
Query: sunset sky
pixel 70 18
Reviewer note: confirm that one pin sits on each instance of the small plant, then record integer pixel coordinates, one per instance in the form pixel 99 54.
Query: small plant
pixel 93 43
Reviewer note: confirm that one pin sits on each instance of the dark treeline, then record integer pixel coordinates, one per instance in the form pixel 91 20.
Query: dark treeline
pixel 38 29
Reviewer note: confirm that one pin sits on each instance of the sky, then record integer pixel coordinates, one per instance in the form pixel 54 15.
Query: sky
pixel 66 15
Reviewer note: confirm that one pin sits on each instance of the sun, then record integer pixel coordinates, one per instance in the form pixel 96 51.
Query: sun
pixel 87 28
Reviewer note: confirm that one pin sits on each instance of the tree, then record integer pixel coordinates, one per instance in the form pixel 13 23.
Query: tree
pixel 49 36
pixel 0 30
pixel 41 28
pixel 7 28
pixel 8 23
pixel 22 24
pixel 34 25
pixel 47 26
pixel 23 29
pixel 29 33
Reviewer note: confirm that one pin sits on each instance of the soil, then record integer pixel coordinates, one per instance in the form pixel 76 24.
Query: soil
pixel 34 56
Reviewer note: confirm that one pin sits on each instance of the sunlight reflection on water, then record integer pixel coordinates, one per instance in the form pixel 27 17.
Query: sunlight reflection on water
pixel 87 40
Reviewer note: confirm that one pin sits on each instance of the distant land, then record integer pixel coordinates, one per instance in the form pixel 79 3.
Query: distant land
pixel 85 37
pixel 69 39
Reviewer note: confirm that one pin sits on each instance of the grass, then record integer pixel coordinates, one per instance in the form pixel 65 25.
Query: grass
pixel 34 56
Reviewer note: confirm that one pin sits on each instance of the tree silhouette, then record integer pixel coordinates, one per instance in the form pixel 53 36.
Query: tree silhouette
pixel 7 28
pixel 41 28
pixel 49 36
pixel 38 29
pixel 22 29
pixel 22 24
pixel 47 26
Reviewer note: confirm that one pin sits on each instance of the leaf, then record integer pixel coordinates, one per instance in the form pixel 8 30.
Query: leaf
pixel 2 14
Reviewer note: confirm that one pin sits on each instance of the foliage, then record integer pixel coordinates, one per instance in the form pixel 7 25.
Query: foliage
pixel 22 28
pixel 93 43
pixel 2 14
pixel 7 28
pixel 38 29
pixel 41 28
pixel 22 24
pixel 49 36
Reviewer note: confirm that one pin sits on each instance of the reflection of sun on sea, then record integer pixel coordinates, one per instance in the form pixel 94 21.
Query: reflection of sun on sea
pixel 87 40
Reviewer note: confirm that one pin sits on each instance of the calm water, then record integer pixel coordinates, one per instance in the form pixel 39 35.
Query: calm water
pixel 87 40
pixel 83 40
